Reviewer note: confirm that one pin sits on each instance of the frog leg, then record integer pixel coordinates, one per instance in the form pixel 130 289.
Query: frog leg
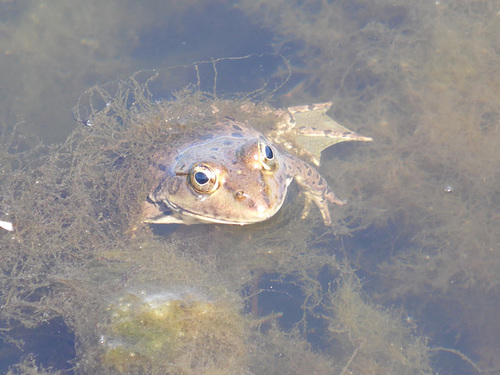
pixel 320 199
pixel 325 126
pixel 314 187
pixel 292 148
pixel 339 135
pixel 313 131
pixel 325 106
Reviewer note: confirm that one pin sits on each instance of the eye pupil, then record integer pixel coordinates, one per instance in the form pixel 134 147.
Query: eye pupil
pixel 201 178
pixel 269 153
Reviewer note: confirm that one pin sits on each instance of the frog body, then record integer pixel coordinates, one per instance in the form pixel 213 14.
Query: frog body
pixel 230 173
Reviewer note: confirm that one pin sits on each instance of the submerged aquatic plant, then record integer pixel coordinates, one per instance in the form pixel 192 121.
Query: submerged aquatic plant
pixel 81 252
pixel 174 333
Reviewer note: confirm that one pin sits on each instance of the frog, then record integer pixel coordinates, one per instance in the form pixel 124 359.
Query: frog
pixel 229 172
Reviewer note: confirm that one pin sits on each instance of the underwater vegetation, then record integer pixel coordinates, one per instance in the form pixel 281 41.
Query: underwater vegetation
pixel 193 299
pixel 410 285
pixel 424 199
pixel 153 333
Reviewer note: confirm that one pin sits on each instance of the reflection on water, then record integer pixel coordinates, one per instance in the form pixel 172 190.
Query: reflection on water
pixel 419 231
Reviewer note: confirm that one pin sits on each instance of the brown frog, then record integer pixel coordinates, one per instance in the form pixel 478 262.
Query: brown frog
pixel 230 173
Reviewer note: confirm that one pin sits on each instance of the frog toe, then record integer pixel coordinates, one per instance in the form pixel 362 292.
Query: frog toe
pixel 330 197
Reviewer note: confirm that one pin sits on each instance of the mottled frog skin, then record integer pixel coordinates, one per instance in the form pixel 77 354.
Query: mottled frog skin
pixel 231 173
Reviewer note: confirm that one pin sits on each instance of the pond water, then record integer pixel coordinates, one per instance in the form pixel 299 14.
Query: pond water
pixel 406 282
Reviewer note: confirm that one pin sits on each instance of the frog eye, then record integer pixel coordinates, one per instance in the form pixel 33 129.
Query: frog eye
pixel 267 156
pixel 203 179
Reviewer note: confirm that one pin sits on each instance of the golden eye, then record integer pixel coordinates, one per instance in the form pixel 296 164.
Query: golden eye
pixel 203 179
pixel 267 158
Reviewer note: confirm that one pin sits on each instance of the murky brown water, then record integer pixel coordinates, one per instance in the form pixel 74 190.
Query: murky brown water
pixel 420 229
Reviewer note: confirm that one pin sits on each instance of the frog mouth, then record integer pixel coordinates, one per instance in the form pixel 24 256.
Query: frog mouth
pixel 168 212
pixel 172 213
pixel 205 218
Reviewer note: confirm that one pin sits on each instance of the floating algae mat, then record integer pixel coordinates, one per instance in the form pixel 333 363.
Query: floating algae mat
pixel 191 300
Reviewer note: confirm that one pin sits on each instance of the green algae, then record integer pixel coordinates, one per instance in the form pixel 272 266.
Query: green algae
pixel 422 79
pixel 81 253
